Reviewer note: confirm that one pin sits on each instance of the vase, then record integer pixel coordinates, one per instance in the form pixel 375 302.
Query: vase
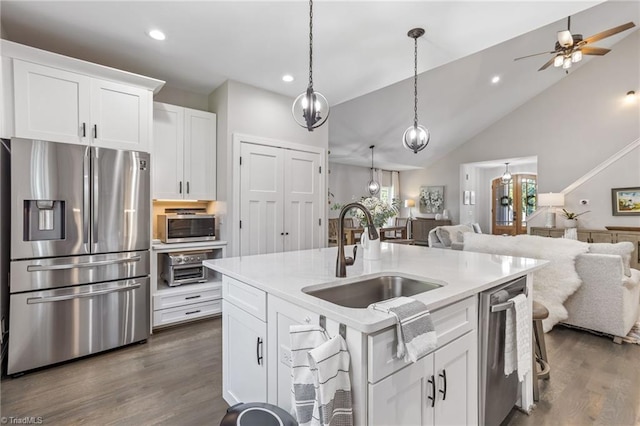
pixel 570 223
pixel 370 248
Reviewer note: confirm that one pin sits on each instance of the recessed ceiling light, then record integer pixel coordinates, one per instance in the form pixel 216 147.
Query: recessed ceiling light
pixel 157 35
pixel 288 78
pixel 495 79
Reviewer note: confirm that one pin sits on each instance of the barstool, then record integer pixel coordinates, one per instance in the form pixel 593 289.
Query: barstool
pixel 539 313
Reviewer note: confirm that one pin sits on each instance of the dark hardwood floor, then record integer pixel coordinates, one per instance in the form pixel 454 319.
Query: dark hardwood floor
pixel 176 379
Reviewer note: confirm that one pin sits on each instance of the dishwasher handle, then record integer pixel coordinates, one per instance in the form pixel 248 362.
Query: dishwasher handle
pixel 508 304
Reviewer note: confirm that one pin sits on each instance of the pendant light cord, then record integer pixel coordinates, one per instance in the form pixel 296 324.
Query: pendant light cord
pixel 310 43
pixel 371 162
pixel 415 83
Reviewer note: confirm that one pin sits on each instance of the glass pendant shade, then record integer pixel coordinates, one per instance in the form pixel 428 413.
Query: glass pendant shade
pixel 566 64
pixel 557 62
pixel 373 187
pixel 310 109
pixel 506 176
pixel 576 56
pixel 416 138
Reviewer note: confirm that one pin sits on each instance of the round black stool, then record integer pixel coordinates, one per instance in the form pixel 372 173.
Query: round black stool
pixel 539 313
pixel 257 413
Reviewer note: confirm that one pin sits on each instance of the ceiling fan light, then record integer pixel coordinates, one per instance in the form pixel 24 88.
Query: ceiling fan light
pixel 557 62
pixel 565 39
pixel 576 56
pixel 566 63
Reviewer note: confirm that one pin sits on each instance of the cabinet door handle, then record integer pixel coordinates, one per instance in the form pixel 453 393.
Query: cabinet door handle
pixel 259 351
pixel 95 131
pixel 187 187
pixel 180 189
pixel 84 130
pixel 432 398
pixel 444 378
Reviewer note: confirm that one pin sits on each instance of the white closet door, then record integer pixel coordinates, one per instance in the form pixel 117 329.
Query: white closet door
pixel 261 199
pixel 301 200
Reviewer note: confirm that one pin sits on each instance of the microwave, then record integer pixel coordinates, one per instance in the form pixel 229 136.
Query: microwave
pixel 184 228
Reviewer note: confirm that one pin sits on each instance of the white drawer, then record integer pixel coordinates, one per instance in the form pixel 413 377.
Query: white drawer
pixel 450 322
pixel 245 297
pixel 184 297
pixel 186 313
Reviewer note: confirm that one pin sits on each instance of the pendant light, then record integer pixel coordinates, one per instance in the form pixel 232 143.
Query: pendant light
pixel 310 109
pixel 416 137
pixel 506 176
pixel 373 187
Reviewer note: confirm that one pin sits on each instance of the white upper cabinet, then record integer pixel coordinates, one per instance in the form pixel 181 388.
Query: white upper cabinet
pixel 62 106
pixel 184 153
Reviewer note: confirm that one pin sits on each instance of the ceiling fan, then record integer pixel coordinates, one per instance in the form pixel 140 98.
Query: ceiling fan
pixel 570 47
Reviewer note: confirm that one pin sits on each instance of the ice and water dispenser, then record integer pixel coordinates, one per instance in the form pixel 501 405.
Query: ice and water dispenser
pixel 44 220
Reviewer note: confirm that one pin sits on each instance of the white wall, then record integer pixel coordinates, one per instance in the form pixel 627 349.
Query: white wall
pixel 571 127
pixel 248 110
pixel 183 98
pixel 347 183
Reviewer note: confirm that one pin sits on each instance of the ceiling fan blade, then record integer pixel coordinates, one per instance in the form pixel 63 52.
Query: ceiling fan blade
pixel 535 54
pixel 594 50
pixel 607 33
pixel 545 66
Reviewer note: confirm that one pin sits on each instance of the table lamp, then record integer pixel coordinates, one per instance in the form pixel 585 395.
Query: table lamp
pixel 409 204
pixel 551 200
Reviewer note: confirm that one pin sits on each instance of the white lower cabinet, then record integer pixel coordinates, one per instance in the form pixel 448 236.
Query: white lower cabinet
pixel 439 389
pixel 244 356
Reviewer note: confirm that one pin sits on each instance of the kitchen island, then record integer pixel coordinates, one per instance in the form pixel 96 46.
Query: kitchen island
pixel 263 295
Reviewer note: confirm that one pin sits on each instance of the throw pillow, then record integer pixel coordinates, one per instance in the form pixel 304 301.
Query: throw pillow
pixel 623 249
pixel 476 228
pixel 450 234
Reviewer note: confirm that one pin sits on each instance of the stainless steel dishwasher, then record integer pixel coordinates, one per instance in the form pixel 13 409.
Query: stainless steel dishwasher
pixel 498 393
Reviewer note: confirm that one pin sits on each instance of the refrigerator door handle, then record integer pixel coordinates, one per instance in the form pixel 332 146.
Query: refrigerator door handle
pixel 38 299
pixel 39 268
pixel 95 196
pixel 86 202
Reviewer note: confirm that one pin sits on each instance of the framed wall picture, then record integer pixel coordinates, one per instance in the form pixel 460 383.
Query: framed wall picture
pixel 466 197
pixel 431 199
pixel 625 201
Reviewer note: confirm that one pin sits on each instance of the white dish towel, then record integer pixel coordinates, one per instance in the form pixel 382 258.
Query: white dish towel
pixel 517 338
pixel 330 364
pixel 303 389
pixel 414 327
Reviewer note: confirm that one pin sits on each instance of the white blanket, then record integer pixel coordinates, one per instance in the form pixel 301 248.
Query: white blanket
pixel 553 284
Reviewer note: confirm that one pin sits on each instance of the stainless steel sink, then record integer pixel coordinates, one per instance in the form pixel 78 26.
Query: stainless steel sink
pixel 362 293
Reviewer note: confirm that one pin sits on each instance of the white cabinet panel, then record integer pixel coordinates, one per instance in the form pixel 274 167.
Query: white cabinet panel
pixel 120 116
pixel 61 106
pixel 51 104
pixel 184 149
pixel 280 200
pixel 244 350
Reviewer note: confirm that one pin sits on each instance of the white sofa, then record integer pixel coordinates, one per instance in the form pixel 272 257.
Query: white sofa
pixel 608 298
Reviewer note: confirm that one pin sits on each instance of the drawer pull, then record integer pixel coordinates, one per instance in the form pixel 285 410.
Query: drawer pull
pixel 192 297
pixel 192 312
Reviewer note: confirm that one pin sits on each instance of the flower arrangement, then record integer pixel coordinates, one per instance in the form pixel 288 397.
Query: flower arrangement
pixel 380 211
pixel 572 216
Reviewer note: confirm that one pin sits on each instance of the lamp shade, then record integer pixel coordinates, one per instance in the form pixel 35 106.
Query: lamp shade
pixel 551 199
pixel 409 203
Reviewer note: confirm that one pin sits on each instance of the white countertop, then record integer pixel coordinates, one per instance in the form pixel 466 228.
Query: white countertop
pixel 461 273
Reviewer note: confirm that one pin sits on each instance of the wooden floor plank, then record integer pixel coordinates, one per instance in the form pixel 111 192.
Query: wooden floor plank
pixel 176 379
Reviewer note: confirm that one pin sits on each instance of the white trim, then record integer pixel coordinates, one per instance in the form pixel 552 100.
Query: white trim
pixel 602 166
pixel 237 139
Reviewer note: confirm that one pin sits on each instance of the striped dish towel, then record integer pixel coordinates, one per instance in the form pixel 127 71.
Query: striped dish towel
pixel 517 338
pixel 330 364
pixel 415 331
pixel 303 390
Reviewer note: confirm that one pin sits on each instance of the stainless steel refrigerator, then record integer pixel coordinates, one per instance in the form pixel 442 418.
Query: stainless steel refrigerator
pixel 79 266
